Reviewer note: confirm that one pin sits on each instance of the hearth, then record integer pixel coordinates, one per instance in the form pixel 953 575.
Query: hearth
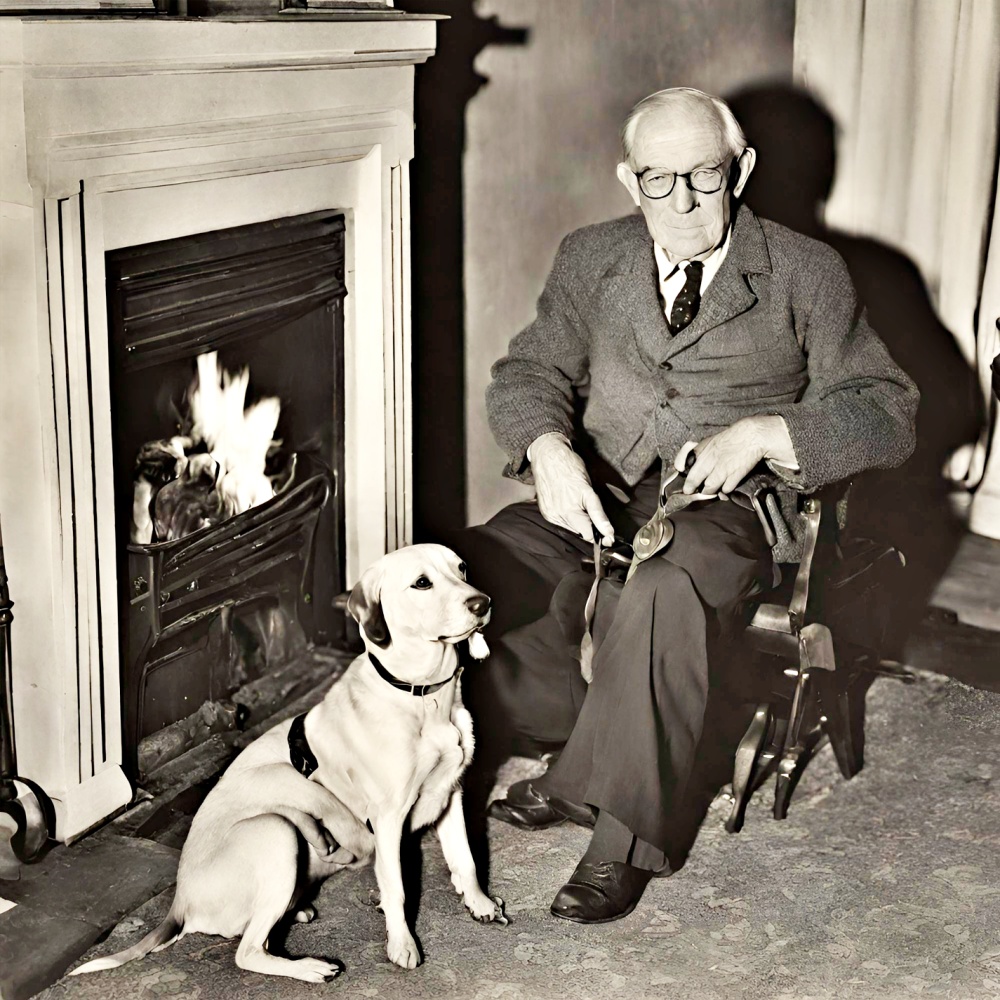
pixel 261 305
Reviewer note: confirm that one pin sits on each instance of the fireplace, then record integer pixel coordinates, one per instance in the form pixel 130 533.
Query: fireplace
pixel 123 136
pixel 206 612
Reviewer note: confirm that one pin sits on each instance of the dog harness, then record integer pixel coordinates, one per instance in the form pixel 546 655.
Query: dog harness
pixel 419 690
pixel 303 759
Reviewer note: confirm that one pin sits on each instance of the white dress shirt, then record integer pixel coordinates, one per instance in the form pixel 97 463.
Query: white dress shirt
pixel 672 276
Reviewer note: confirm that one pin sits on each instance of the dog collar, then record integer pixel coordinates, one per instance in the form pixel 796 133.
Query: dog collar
pixel 303 759
pixel 415 689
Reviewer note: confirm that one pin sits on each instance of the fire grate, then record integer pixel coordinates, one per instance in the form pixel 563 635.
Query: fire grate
pixel 208 606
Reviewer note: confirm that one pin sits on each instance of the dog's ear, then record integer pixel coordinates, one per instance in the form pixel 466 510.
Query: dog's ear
pixel 365 607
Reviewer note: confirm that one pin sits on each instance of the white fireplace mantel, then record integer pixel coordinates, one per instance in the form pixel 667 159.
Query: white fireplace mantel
pixel 120 132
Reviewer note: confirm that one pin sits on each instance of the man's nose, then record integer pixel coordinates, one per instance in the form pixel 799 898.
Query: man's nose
pixel 478 605
pixel 683 199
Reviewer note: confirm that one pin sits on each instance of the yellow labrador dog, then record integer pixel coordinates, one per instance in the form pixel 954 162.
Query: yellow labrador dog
pixel 332 788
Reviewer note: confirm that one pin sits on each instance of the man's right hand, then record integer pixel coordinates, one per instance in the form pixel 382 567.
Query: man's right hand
pixel 562 488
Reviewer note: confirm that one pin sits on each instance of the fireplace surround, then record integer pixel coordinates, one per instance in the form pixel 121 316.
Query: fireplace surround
pixel 119 133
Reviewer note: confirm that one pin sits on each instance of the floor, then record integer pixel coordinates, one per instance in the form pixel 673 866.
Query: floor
pixel 884 886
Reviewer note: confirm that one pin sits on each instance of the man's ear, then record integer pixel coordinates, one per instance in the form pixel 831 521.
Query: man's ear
pixel 631 182
pixel 744 165
pixel 365 606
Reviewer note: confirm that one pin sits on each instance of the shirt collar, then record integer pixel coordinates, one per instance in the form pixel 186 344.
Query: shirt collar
pixel 712 262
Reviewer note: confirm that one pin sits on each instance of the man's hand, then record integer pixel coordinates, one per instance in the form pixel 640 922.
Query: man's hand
pixel 725 459
pixel 562 488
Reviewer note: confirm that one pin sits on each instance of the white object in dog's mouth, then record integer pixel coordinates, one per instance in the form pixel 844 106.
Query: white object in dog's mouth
pixel 478 649
pixel 477 643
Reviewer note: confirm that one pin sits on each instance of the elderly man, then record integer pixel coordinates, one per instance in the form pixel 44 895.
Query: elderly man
pixel 693 326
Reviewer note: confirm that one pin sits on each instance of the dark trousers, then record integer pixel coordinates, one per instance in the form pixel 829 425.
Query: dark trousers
pixel 630 738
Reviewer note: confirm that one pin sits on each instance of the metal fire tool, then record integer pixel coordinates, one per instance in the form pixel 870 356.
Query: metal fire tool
pixel 23 824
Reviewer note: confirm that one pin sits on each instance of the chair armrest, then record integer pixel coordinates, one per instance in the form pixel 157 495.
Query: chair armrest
pixel 811 513
pixel 789 620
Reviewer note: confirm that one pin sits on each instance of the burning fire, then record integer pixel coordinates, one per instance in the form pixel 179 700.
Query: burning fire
pixel 213 471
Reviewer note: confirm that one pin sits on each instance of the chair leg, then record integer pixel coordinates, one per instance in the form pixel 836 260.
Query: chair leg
pixel 768 759
pixel 792 767
pixel 788 766
pixel 785 782
pixel 747 755
pixel 843 705
pixel 837 723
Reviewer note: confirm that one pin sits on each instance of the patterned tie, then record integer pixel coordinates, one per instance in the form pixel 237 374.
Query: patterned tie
pixel 685 306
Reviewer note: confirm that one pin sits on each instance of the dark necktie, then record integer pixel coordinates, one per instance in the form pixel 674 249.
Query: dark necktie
pixel 685 306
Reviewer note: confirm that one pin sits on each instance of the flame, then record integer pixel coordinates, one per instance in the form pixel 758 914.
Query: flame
pixel 179 487
pixel 238 437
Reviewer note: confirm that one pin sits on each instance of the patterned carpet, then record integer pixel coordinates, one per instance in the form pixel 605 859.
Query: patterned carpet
pixel 882 887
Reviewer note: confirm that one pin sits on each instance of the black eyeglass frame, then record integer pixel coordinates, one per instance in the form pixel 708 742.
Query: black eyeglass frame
pixel 724 176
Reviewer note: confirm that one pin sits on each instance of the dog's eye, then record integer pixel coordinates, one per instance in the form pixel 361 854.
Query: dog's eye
pixel 463 569
pixel 422 583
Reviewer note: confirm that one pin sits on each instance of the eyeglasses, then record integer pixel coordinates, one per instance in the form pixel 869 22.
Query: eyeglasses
pixel 655 182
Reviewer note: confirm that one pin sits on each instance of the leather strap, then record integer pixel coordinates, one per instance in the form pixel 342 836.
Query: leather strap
pixel 587 642
pixel 303 759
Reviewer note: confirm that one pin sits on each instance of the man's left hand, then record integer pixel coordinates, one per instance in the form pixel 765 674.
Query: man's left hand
pixel 724 460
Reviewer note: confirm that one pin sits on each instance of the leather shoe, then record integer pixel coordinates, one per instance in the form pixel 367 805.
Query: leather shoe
pixel 529 809
pixel 599 891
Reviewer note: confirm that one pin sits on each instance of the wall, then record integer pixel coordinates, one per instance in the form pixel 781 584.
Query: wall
pixel 541 150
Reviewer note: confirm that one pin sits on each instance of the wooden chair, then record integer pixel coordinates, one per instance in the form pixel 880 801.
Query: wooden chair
pixel 817 642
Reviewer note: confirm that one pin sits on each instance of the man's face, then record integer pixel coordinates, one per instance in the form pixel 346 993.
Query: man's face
pixel 686 223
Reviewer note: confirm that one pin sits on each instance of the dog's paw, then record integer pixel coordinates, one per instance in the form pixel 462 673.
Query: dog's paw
pixel 340 856
pixel 486 910
pixel 403 951
pixel 305 915
pixel 315 970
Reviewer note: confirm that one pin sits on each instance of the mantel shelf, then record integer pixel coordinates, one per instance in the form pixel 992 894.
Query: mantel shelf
pixel 287 16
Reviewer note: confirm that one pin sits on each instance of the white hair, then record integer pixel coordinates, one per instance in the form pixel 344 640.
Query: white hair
pixel 732 133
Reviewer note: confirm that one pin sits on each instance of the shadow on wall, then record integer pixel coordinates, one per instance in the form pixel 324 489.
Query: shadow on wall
pixel 796 164
pixel 444 86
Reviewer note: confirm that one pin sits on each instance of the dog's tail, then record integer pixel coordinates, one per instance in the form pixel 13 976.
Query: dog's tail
pixel 168 932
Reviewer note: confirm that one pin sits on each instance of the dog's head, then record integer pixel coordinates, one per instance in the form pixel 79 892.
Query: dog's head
pixel 419 592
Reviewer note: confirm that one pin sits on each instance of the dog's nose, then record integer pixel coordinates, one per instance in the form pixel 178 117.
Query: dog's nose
pixel 478 605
